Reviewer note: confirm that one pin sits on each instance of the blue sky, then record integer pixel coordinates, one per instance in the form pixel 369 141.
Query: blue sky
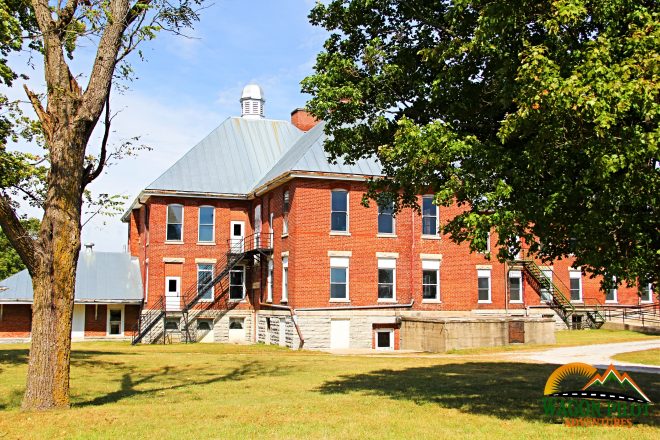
pixel 187 87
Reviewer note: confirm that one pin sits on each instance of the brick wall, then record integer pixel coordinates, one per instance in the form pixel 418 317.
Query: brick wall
pixel 16 321
pixel 96 319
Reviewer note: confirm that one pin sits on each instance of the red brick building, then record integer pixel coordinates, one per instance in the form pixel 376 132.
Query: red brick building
pixel 306 260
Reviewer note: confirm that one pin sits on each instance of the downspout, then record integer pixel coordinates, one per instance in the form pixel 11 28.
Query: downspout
pixel 294 318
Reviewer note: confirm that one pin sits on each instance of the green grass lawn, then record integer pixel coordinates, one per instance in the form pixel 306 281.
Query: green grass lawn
pixel 649 357
pixel 206 391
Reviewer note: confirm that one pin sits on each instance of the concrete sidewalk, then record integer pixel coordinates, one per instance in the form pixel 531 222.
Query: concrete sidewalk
pixel 598 355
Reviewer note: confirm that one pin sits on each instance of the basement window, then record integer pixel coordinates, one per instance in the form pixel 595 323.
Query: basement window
pixel 385 339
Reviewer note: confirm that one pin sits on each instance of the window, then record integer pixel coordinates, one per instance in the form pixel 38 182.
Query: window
pixel 385 339
pixel 386 219
pixel 386 279
pixel 611 294
pixel 547 290
pixel 285 279
pixel 206 222
pixel 339 215
pixel 430 280
pixel 429 216
pixel 338 279
pixel 270 227
pixel 269 281
pixel 257 227
pixel 575 285
pixel 646 294
pixel 515 286
pixel 115 321
pixel 172 324
pixel 488 242
pixel 483 286
pixel 204 278
pixel 237 283
pixel 285 213
pixel 174 223
pixel 205 324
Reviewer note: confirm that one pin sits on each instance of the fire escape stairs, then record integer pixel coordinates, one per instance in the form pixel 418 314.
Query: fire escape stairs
pixel 258 244
pixel 557 296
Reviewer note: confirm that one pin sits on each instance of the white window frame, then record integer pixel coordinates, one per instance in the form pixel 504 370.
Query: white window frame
pixel 649 291
pixel 269 280
pixel 348 216
pixel 387 263
pixel 428 266
pixel 616 294
pixel 212 287
pixel 199 225
pixel 167 222
pixel 437 217
pixel 518 275
pixel 258 226
pixel 385 234
pixel 575 275
pixel 384 330
pixel 285 279
pixel 238 267
pixel 485 273
pixel 271 218
pixel 286 208
pixel 123 320
pixel 340 263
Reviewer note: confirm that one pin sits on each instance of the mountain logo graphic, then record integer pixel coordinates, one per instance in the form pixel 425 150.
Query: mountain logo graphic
pixel 611 385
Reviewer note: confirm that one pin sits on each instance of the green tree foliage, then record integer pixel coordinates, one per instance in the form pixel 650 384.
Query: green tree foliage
pixel 539 118
pixel 10 261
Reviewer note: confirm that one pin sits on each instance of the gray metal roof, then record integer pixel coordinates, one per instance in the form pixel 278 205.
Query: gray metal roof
pixel 231 159
pixel 100 277
pixel 307 154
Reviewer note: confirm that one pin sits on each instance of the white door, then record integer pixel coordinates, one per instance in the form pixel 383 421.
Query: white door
pixel 237 330
pixel 237 235
pixel 546 294
pixel 172 293
pixel 283 332
pixel 78 324
pixel 340 332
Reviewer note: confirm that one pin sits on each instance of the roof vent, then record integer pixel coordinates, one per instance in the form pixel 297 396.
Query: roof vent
pixel 252 102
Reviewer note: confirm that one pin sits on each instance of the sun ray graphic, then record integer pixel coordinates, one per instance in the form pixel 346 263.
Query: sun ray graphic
pixel 561 373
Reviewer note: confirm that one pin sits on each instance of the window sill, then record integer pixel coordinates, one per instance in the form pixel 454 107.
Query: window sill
pixel 611 301
pixel 284 301
pixel 385 300
pixel 115 336
pixel 206 300
pixel 484 302
pixel 285 235
pixel 340 233
pixel 515 302
pixel 206 243
pixel 431 301
pixel 236 300
pixel 383 235
pixel 173 242
pixel 431 237
pixel 577 301
pixel 339 300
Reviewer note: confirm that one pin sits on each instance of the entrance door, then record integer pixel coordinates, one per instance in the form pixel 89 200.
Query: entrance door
pixel 78 324
pixel 237 330
pixel 237 235
pixel 282 332
pixel 172 293
pixel 340 333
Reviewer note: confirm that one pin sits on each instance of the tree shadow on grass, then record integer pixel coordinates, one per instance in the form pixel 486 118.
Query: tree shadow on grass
pixel 19 356
pixel 129 384
pixel 504 390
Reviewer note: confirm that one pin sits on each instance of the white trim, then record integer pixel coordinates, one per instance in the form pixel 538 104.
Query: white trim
pixel 285 254
pixel 285 214
pixel 485 273
pixel 231 232
pixel 199 224
pixel 616 294
pixel 436 234
pixel 388 255
pixel 339 263
pixel 340 253
pixel 518 275
pixel 384 330
pixel 382 235
pixel 431 266
pixel 574 274
pixel 212 287
pixel 178 287
pixel 173 260
pixel 649 291
pixel 167 222
pixel 387 263
pixel 340 233
pixel 348 215
pixel 107 322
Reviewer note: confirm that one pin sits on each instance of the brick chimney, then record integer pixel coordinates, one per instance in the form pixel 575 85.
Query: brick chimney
pixel 303 120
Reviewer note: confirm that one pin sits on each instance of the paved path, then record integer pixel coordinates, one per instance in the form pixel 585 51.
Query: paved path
pixel 598 355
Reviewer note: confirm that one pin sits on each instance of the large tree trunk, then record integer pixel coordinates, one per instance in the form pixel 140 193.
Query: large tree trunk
pixel 54 279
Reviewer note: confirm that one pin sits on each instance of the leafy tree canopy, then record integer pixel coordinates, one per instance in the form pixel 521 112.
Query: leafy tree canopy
pixel 539 118
pixel 10 261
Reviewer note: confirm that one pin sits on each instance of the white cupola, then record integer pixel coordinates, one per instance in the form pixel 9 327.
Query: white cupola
pixel 252 102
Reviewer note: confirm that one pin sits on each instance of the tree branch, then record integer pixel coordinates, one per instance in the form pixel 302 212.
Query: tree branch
pixel 89 174
pixel 17 235
pixel 44 117
pixel 66 14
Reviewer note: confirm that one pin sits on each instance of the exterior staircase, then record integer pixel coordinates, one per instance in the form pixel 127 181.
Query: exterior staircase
pixel 556 295
pixel 154 318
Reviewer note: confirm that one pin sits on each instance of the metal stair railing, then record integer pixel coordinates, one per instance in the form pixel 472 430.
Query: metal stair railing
pixel 260 242
pixel 147 320
pixel 559 301
pixel 595 312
